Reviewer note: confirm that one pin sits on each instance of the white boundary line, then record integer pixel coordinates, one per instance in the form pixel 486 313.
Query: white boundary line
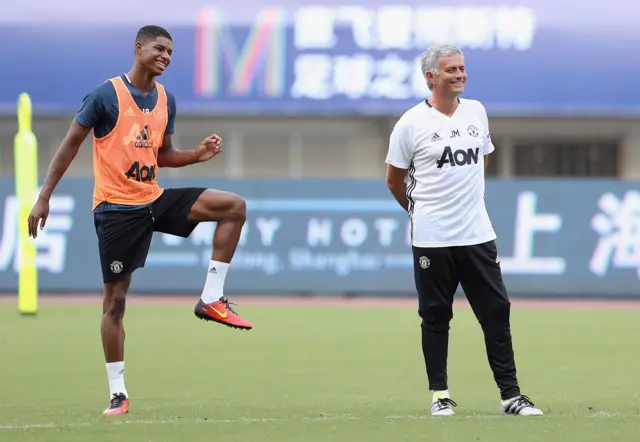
pixel 109 421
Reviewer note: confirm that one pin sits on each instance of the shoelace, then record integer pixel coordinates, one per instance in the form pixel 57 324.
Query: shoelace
pixel 524 401
pixel 519 404
pixel 117 401
pixel 228 305
pixel 446 402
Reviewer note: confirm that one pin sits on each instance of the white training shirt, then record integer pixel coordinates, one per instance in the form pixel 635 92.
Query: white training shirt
pixel 444 158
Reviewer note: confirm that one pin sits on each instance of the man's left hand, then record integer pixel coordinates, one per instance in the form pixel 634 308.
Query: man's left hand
pixel 208 148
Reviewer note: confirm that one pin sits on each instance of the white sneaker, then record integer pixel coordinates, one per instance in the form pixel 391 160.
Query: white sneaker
pixel 520 405
pixel 442 406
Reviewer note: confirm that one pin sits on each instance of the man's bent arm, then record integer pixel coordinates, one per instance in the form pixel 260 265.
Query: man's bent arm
pixel 397 186
pixel 169 156
pixel 63 158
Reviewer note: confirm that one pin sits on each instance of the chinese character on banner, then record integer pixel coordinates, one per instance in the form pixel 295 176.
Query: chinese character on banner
pixel 432 25
pixel 361 21
pixel 529 222
pixel 352 75
pixel 314 28
pixel 51 243
pixel 473 28
pixel 394 27
pixel 619 228
pixel 515 28
pixel 391 79
pixel 312 77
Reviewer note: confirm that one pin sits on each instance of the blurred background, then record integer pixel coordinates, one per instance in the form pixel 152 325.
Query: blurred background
pixel 305 95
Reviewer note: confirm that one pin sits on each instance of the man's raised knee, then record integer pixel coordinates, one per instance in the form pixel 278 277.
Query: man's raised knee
pixel 238 210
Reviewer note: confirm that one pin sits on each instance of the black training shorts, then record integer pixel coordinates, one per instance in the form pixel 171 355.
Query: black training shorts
pixel 124 237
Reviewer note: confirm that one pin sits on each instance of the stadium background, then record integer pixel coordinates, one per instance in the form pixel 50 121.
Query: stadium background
pixel 305 95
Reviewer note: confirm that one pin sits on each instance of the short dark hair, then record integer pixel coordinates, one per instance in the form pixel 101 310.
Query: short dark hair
pixel 152 31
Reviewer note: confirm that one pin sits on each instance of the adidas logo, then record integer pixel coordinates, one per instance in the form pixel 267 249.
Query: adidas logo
pixel 143 140
pixel 435 137
pixel 144 133
pixel 213 270
pixel 129 113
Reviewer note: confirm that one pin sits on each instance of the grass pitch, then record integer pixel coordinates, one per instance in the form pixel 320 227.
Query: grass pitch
pixel 313 373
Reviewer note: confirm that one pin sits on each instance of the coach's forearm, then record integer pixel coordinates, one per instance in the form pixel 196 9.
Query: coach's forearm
pixel 399 192
pixel 176 158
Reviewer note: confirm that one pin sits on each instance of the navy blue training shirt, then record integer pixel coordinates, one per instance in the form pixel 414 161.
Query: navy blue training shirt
pixel 99 109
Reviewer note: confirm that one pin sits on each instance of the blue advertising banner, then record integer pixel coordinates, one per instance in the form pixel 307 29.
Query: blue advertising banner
pixel 555 238
pixel 524 57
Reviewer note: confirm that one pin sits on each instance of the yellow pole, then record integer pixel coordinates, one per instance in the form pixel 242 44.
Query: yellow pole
pixel 26 182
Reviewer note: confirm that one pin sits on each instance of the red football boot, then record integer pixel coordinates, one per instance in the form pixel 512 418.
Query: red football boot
pixel 119 404
pixel 221 312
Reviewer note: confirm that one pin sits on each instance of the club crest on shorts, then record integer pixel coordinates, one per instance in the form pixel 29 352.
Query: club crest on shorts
pixel 424 262
pixel 116 267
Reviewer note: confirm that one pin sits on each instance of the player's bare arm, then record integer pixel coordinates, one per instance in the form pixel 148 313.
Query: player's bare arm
pixel 397 186
pixel 170 156
pixel 61 161
pixel 486 161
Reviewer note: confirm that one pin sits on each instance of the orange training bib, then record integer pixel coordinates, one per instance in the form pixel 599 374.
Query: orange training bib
pixel 125 161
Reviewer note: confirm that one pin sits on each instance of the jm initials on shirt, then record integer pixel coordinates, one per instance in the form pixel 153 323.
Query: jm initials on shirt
pixel 125 160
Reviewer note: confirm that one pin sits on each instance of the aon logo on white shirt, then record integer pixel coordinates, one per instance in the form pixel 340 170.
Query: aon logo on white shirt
pixel 460 157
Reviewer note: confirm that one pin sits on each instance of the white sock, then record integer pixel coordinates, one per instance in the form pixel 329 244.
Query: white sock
pixel 440 395
pixel 214 285
pixel 115 372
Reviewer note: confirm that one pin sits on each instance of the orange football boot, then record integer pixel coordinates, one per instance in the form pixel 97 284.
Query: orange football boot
pixel 221 312
pixel 119 404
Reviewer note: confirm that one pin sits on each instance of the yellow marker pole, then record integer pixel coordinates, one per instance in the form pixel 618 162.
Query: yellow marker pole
pixel 26 181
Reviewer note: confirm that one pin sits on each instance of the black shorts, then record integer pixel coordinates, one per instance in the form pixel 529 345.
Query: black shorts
pixel 124 237
pixel 438 272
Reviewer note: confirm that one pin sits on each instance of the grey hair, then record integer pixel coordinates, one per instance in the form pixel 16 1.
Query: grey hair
pixel 429 59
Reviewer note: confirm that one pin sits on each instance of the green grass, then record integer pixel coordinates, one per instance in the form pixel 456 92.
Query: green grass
pixel 312 374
